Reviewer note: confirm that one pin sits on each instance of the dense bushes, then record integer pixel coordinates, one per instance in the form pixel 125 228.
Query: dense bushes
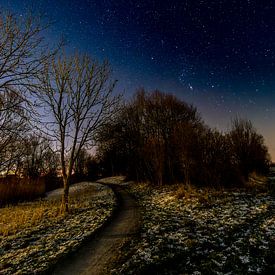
pixel 248 149
pixel 159 138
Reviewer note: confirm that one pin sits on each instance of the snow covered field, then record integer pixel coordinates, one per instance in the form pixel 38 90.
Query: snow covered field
pixel 221 233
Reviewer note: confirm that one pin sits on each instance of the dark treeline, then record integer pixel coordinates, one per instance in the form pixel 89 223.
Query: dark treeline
pixel 158 138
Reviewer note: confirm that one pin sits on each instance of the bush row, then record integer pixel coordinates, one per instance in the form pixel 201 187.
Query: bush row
pixel 158 138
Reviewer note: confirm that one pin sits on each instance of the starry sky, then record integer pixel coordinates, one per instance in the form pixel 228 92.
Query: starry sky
pixel 216 54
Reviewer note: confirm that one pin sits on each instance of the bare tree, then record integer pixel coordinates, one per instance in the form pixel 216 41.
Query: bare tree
pixel 77 93
pixel 248 148
pixel 13 127
pixel 38 158
pixel 22 51
pixel 145 140
pixel 81 163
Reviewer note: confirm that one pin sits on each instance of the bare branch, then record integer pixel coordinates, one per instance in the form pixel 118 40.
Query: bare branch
pixel 78 94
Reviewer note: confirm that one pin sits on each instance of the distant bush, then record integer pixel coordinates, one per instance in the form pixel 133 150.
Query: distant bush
pixel 248 150
pixel 212 164
pixel 52 181
pixel 158 138
pixel 86 167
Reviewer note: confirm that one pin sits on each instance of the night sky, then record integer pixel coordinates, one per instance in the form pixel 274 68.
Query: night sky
pixel 217 55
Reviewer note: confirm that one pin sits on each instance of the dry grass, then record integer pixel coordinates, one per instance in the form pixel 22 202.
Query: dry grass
pixel 204 195
pixel 256 183
pixel 188 191
pixel 14 189
pixel 26 215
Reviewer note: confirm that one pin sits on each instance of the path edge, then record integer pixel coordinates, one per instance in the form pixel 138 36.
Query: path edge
pixel 73 251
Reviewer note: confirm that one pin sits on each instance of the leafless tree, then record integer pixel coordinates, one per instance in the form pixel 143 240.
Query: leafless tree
pixel 145 140
pixel 22 51
pixel 38 158
pixel 77 93
pixel 13 127
pixel 249 151
pixel 80 168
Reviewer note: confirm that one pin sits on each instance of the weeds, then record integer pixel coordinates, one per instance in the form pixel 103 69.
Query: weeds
pixel 189 192
pixel 18 189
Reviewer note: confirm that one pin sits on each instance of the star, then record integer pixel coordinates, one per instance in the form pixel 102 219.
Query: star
pixel 190 87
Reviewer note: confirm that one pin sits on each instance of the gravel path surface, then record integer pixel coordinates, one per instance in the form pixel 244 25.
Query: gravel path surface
pixel 97 256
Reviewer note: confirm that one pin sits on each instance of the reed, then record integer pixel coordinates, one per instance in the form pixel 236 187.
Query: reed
pixel 14 189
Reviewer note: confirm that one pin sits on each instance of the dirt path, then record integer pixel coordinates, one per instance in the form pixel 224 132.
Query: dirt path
pixel 98 255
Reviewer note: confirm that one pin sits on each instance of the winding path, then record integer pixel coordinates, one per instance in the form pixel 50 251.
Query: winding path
pixel 97 255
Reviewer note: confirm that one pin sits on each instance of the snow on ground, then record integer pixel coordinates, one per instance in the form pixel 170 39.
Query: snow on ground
pixel 229 233
pixel 35 235
pixel 78 188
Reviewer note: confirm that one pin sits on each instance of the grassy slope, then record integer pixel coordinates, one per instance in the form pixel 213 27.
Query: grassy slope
pixel 34 235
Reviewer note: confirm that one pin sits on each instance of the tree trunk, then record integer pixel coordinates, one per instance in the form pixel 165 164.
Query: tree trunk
pixel 65 197
pixel 187 174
